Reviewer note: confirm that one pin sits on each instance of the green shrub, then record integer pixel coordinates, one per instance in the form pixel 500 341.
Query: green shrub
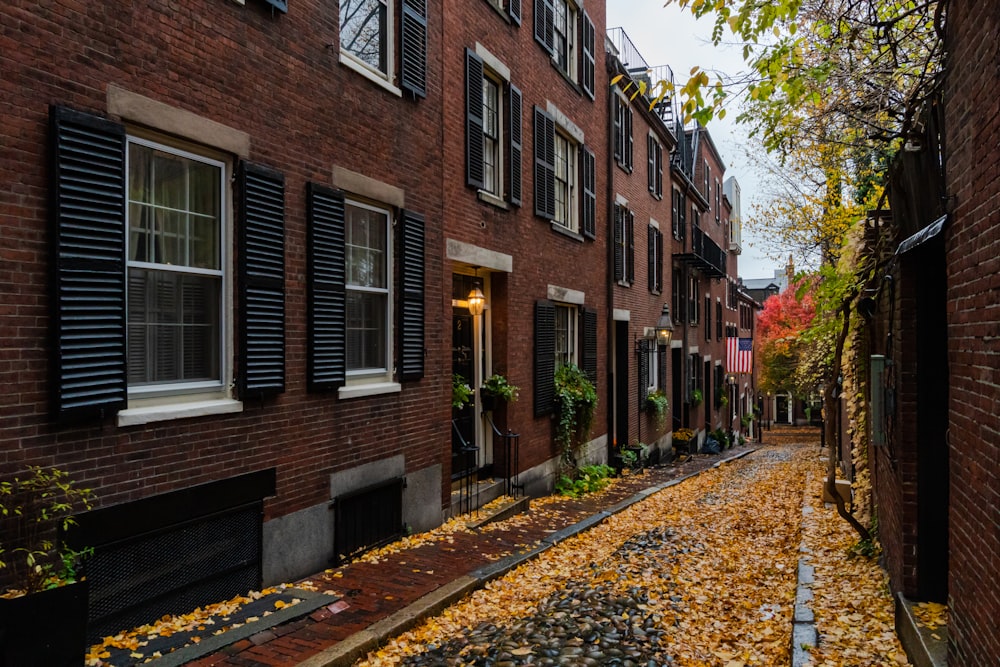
pixel 587 480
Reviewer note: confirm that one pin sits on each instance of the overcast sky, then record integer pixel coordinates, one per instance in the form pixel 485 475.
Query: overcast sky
pixel 670 36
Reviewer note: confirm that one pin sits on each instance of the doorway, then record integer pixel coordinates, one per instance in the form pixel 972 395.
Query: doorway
pixel 471 444
pixel 621 384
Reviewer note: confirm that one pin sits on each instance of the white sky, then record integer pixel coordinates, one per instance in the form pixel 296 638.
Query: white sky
pixel 671 36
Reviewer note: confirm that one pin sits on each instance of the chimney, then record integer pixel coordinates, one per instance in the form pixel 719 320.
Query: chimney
pixel 790 270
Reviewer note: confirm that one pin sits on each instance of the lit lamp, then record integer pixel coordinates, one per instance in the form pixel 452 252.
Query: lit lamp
pixel 476 298
pixel 664 327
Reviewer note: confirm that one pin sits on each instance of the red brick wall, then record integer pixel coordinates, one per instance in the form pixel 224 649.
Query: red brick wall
pixel 276 77
pixel 541 256
pixel 973 256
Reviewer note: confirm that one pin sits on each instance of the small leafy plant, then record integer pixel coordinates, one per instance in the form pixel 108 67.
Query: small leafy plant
pixel 657 403
pixel 461 392
pixel 33 509
pixel 576 398
pixel 696 397
pixel 587 480
pixel 497 386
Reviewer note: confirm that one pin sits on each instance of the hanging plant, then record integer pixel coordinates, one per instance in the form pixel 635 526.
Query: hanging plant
pixel 497 386
pixel 696 397
pixel 461 392
pixel 576 399
pixel 657 403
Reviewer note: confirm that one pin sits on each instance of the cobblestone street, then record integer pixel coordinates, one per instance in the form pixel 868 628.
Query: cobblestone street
pixel 700 573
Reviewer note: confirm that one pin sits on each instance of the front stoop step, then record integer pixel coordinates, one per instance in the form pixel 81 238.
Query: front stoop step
pixel 923 649
pixel 502 512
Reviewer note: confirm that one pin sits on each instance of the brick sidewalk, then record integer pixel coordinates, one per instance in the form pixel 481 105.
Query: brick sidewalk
pixel 372 593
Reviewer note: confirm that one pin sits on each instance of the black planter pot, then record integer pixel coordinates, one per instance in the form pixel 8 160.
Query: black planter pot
pixel 47 629
pixel 488 400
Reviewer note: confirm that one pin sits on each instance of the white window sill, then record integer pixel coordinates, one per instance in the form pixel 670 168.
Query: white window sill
pixel 166 412
pixel 374 77
pixel 373 389
pixel 565 231
pixel 492 199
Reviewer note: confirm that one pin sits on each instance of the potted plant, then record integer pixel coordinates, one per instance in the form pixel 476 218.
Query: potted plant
pixel 461 392
pixel 576 398
pixel 721 399
pixel 696 397
pixel 43 607
pixel 634 456
pixel 657 403
pixel 496 387
pixel 681 439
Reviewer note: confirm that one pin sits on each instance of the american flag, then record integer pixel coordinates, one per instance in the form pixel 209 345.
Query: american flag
pixel 739 355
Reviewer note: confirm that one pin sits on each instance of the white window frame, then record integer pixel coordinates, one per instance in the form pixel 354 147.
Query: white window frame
pixel 569 43
pixel 652 367
pixel 568 215
pixel 145 397
pixel 570 313
pixel 496 189
pixel 384 78
pixel 383 375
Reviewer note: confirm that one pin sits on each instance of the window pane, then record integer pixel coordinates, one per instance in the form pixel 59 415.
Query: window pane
pixel 366 335
pixel 173 327
pixel 491 136
pixel 565 325
pixel 363 31
pixel 366 247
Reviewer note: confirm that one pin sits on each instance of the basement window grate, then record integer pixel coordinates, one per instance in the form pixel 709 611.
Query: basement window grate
pixel 367 518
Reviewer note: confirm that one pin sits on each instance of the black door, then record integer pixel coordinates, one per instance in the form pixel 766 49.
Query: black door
pixel 621 383
pixel 463 363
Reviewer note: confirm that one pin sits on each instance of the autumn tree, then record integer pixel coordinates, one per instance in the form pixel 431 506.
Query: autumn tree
pixel 784 319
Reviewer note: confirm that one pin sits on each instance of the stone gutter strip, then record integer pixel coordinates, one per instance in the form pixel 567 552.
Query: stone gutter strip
pixel 346 652
pixel 804 634
pixel 311 601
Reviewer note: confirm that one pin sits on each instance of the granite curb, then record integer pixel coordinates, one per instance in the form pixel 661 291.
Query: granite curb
pixel 352 648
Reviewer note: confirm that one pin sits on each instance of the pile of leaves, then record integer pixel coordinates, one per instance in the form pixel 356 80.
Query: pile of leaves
pixel 853 607
pixel 723 597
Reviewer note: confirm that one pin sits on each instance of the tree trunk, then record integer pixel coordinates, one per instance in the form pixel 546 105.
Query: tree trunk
pixel 830 426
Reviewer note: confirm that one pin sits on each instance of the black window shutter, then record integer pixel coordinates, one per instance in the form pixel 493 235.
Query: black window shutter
pixel 545 24
pixel 545 355
pixel 515 136
pixel 262 281
pixel 674 212
pixel 659 171
pixel 87 207
pixel 659 261
pixel 590 344
pixel 327 341
pixel 514 9
pixel 545 165
pixel 474 173
pixel 651 164
pixel 630 256
pixel 643 374
pixel 413 75
pixel 587 71
pixel 628 132
pixel 589 180
pixel 708 318
pixel 619 127
pixel 651 258
pixel 412 299
pixel 619 243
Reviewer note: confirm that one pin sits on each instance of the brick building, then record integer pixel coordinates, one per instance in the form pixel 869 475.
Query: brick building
pixel 234 231
pixel 933 398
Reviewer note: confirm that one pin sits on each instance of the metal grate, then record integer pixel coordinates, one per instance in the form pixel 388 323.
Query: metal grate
pixel 174 570
pixel 367 518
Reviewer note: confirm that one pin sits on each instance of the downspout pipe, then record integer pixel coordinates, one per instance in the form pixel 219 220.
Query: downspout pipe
pixel 609 264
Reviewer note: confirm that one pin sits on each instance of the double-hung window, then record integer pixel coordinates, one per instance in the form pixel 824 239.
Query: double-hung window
pixel 623 132
pixel 365 33
pixel 568 35
pixel 175 220
pixel 654 254
pixel 655 167
pixel 368 42
pixel 624 250
pixel 565 175
pixel 566 335
pixel 368 269
pixel 564 37
pixel 493 129
pixel 492 154
pixel 565 183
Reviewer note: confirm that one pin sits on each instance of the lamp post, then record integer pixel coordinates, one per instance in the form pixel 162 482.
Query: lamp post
pixel 664 327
